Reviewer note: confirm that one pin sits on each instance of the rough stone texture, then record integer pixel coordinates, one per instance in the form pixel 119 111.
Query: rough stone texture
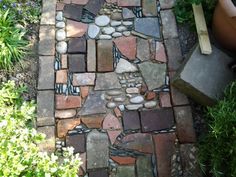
pixel 127 13
pixel 94 6
pixel 91 55
pixel 104 56
pixel 48 144
pixel 155 120
pixel 143 49
pixel 45 108
pixel 141 142
pixel 46 76
pixel 64 114
pixel 77 45
pixel 169 24
pixel 67 102
pixel 131 120
pixel 164 146
pixel 148 26
pixel 106 81
pixel 61 76
pixel 93 121
pixel 127 3
pixel 174 54
pixel 90 108
pixel 73 11
pixel 77 63
pixel 113 134
pixel 83 79
pixel 144 166
pixel 167 4
pixel 165 100
pixel 149 8
pixel 63 126
pixel 97 147
pixel 46 40
pixel 192 79
pixel 153 74
pixel 111 123
pixel 76 141
pixel 99 173
pixel 48 12
pixel 123 160
pixel 184 123
pixel 75 29
pixel 125 67
pixel 160 52
pixel 127 46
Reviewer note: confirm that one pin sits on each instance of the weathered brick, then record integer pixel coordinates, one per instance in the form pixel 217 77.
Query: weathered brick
pixel 46 40
pixel 68 102
pixel 167 4
pixel 178 98
pixel 48 144
pixel 48 12
pixel 75 29
pixel 64 62
pixel 91 55
pixel 165 100
pixel 169 24
pixel 63 126
pixel 93 121
pixel 61 77
pixel 64 114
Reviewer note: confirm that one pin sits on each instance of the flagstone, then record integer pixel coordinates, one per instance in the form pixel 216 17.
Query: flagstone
pixel 107 81
pixel 75 29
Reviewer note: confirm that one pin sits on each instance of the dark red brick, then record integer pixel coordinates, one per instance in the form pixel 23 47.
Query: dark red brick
pixel 131 120
pixel 77 45
pixel 77 63
pixel 73 11
pixel 67 102
pixel 77 141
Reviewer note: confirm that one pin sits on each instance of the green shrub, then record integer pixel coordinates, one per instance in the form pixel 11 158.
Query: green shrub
pixel 19 154
pixel 217 150
pixel 12 45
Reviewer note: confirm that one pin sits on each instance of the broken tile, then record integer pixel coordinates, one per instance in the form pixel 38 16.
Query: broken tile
pixel 75 29
pixel 93 121
pixel 113 134
pixel 123 160
pixel 111 123
pixel 160 52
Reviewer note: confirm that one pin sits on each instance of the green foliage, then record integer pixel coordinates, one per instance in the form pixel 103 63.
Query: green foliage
pixel 12 44
pixel 19 154
pixel 217 150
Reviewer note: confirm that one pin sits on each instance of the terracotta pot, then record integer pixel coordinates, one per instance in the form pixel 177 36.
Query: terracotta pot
pixel 224 24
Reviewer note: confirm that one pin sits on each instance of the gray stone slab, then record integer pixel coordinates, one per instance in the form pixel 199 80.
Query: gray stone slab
pixel 45 108
pixel 97 150
pixel 94 104
pixel 94 6
pixel 107 81
pixel 143 49
pixel 148 26
pixel 153 73
pixel 46 40
pixel 204 77
pixel 46 76
pixel 144 166
pixel 48 12
pixel 124 171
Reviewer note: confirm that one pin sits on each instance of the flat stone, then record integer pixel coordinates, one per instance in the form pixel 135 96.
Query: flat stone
pixel 45 108
pixel 105 37
pixel 48 12
pixel 153 73
pixel 76 141
pixel 156 120
pixel 132 90
pixel 148 26
pixel 77 45
pixel 116 34
pixel 121 28
pixel 184 124
pixel 127 46
pixel 119 99
pixel 111 105
pixel 48 145
pixel 150 104
pixel 114 92
pixel 90 108
pixel 123 160
pixel 93 121
pixel 132 107
pixel 126 33
pixel 97 150
pixel 73 11
pixel 46 76
pixel 59 16
pixel 60 25
pixel 117 112
pixel 113 134
pixel 61 77
pixel 115 23
pixel 46 40
pixel 104 56
pixel 136 99
pixel 67 102
pixel 128 3
pixel 165 100
pixel 149 8
pixel 83 79
pixel 143 49
pixel 64 114
pixel 75 29
pixel 84 91
pixel 102 20
pixel 108 30
pixel 164 147
pixel 99 173
pixel 63 126
pixel 111 123
pixel 107 81
pixel 127 13
pixel 131 120
pixel 94 6
pixel 192 78
pixel 91 55
pixel 141 142
pixel 80 2
pixel 124 66
pixel 127 23
pixel 160 53
pixel 116 16
pixel 127 171
pixel 93 31
pixel 144 166
pixel 169 24
pixel 61 47
pixel 167 4
pixel 77 63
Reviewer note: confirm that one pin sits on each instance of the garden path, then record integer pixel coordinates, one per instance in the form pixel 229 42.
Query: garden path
pixel 104 88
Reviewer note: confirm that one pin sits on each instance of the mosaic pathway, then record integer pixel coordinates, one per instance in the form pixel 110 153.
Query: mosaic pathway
pixel 104 88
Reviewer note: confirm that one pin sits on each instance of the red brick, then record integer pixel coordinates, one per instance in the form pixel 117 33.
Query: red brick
pixel 84 91
pixel 123 160
pixel 93 121
pixel 75 29
pixel 178 98
pixel 165 100
pixel 63 126
pixel 64 62
pixel 111 123
pixel 117 112
pixel 160 52
pixel 61 77
pixel 113 134
pixel 164 147
pixel 67 102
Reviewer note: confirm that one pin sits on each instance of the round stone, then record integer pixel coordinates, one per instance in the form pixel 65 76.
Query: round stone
pixel 60 25
pixel 60 35
pixel 132 90
pixel 127 23
pixel 93 31
pixel 111 105
pixel 150 104
pixel 137 99
pixel 126 33
pixel 61 47
pixel 102 20
pixel 108 30
pixel 104 36
pixel 121 107
pixel 121 28
pixel 119 99
pixel 116 34
pixel 59 16
pixel 132 107
pixel 114 92
pixel 115 23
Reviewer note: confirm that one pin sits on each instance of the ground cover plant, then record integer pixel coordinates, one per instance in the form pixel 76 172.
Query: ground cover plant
pixel 217 150
pixel 19 154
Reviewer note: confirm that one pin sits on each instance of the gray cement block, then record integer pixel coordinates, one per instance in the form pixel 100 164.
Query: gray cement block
pixel 204 77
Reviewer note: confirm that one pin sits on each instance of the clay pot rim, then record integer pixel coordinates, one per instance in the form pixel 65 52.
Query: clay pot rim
pixel 228 7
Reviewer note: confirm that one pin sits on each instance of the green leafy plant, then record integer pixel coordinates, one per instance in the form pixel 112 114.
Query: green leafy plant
pixel 217 150
pixel 12 44
pixel 19 154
